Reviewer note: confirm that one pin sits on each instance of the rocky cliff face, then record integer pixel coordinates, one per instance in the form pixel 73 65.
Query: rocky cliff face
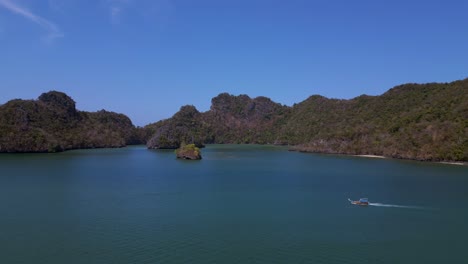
pixel 241 119
pixel 189 152
pixel 231 119
pixel 411 121
pixel 185 127
pixel 52 124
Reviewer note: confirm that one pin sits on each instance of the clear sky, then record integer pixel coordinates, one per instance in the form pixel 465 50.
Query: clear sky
pixel 147 58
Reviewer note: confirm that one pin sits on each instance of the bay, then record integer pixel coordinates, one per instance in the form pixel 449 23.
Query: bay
pixel 239 204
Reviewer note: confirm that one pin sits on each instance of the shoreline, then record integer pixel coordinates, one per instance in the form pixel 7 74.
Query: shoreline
pixel 457 163
pixel 370 156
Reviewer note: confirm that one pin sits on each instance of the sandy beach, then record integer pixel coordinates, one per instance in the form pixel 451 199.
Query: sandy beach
pixel 371 156
pixel 441 162
pixel 455 163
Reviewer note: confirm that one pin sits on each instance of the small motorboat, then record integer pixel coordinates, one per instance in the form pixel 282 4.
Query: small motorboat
pixel 362 201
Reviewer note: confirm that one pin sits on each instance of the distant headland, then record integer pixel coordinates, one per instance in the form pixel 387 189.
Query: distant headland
pixel 426 122
pixel 52 124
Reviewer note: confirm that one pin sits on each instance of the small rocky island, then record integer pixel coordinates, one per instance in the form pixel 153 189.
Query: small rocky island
pixel 190 152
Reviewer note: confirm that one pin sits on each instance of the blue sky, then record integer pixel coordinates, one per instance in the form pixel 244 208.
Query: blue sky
pixel 147 58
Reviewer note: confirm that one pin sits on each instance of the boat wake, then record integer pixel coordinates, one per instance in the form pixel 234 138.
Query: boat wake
pixel 395 206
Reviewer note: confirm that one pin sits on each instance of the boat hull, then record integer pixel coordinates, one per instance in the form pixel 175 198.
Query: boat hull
pixel 364 202
pixel 359 203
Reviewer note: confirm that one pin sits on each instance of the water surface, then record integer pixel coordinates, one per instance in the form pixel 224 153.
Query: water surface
pixel 240 204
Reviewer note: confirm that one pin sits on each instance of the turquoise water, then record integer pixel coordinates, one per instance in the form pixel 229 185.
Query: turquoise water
pixel 240 204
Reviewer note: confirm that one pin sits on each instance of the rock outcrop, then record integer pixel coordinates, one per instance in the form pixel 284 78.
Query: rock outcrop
pixel 190 152
pixel 184 127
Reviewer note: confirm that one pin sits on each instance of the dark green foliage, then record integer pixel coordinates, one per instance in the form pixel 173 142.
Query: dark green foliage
pixel 185 127
pixel 240 119
pixel 411 121
pixel 59 102
pixel 52 124
pixel 232 119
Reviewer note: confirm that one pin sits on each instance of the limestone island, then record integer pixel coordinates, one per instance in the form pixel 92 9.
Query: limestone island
pixel 189 152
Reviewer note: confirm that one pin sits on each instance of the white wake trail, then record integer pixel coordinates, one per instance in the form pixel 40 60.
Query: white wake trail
pixel 396 206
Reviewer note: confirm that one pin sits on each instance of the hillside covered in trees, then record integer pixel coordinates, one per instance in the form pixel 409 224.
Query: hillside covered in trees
pixel 52 124
pixel 411 121
pixel 231 119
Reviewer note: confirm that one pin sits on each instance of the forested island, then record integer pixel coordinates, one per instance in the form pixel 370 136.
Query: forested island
pixel 411 121
pixel 52 124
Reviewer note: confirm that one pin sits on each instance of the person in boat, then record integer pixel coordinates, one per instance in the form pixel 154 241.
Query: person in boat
pixel 362 201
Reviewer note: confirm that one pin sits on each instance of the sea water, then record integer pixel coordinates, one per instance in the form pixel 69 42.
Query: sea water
pixel 239 204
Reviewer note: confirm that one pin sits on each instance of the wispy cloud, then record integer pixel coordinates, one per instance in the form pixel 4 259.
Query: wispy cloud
pixel 115 14
pixel 116 8
pixel 150 10
pixel 52 29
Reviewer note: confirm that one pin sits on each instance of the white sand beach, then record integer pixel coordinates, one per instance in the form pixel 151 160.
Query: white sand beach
pixel 371 156
pixel 454 163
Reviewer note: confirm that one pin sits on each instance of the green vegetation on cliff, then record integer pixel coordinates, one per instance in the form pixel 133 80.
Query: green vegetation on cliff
pixel 241 119
pixel 186 126
pixel 189 151
pixel 52 124
pixel 231 119
pixel 411 121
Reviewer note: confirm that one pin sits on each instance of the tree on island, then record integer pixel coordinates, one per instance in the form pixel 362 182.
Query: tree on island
pixel 190 152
